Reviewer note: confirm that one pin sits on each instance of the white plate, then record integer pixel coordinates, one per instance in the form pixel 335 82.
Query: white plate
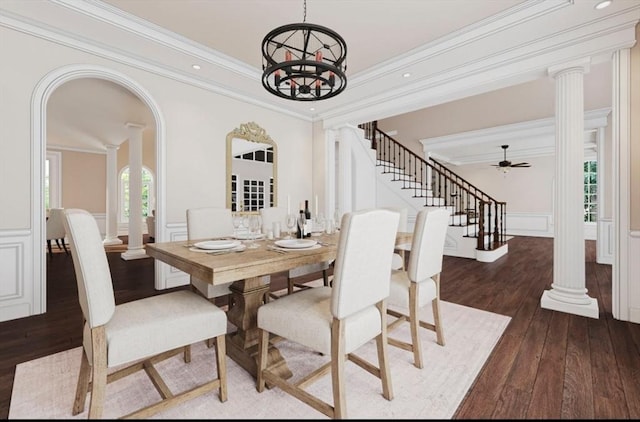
pixel 213 245
pixel 247 236
pixel 295 243
pixel 238 248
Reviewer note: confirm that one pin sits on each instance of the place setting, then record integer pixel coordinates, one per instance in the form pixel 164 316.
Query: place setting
pixel 292 245
pixel 218 247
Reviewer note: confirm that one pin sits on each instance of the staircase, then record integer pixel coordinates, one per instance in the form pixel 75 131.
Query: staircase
pixel 477 225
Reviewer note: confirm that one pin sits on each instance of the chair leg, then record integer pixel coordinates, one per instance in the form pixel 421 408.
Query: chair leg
pixel 437 320
pixel 49 246
pixel 186 353
pixel 221 356
pixel 338 357
pixel 64 246
pixel 289 285
pixel 383 357
pixel 99 370
pixel 263 345
pixel 82 387
pixel 325 278
pixel 58 243
pixel 414 323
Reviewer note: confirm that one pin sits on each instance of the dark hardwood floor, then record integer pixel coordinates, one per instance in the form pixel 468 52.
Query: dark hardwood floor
pixel 547 365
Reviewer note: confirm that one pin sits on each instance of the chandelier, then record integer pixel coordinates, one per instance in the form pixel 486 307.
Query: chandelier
pixel 304 61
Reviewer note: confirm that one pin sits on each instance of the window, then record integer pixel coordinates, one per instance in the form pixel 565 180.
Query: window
pixel 148 201
pixel 591 191
pixel 253 192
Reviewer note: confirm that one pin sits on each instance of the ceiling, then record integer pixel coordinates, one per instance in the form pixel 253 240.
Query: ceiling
pixel 452 48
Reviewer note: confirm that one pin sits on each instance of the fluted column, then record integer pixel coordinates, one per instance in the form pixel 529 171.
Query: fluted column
pixel 135 250
pixel 111 237
pixel 568 292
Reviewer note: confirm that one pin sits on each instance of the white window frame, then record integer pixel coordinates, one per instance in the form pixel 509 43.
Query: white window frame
pixel 54 158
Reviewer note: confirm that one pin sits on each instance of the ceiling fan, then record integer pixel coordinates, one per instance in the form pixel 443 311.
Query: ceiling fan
pixel 505 165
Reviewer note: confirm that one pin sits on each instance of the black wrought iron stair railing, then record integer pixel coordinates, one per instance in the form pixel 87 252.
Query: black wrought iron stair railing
pixel 482 216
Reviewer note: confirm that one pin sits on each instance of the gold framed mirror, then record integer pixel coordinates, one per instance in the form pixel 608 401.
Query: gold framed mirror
pixel 252 169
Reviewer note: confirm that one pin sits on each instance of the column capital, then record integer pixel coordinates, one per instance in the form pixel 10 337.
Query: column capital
pixel 112 147
pixel 582 65
pixel 133 125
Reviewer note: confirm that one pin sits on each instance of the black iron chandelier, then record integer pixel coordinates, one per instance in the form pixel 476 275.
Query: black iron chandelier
pixel 304 61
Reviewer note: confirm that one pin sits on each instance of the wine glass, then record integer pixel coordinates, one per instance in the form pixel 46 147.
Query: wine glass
pixel 237 222
pixel 291 224
pixel 302 221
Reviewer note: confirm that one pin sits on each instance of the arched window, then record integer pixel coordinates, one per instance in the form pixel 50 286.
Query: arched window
pixel 148 199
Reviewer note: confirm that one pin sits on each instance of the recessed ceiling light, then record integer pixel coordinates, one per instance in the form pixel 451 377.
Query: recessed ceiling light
pixel 406 75
pixel 312 109
pixel 603 4
pixel 196 66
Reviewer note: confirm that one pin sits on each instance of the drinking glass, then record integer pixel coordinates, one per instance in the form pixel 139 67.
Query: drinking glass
pixel 291 224
pixel 254 227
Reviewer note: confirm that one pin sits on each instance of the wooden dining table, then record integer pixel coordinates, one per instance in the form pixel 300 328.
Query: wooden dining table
pixel 249 271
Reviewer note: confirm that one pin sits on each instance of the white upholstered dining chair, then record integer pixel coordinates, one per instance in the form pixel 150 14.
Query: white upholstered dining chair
pixel 55 229
pixel 338 320
pixel 138 334
pixel 273 214
pixel 206 223
pixel 419 285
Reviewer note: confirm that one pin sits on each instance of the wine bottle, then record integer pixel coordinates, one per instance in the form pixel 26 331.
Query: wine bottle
pixel 308 222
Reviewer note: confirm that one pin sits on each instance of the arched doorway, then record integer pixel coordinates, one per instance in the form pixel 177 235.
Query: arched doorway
pixel 42 94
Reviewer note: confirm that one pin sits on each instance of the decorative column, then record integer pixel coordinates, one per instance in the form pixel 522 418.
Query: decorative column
pixel 111 237
pixel 135 250
pixel 568 293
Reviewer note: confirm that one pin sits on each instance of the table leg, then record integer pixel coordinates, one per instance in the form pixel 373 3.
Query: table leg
pixel 242 345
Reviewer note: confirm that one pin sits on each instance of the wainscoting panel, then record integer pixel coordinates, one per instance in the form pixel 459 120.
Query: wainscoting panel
pixel 167 276
pixel 529 224
pixel 605 245
pixel 633 274
pixel 17 299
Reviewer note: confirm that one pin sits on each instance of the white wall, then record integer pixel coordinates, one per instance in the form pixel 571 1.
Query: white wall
pixel 196 122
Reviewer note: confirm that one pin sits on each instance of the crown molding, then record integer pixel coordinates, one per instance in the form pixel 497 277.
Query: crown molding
pixel 535 138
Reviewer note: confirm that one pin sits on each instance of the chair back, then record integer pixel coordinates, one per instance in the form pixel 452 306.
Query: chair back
pixel 427 247
pixel 95 288
pixel 209 222
pixel 55 224
pixel 271 215
pixel 363 262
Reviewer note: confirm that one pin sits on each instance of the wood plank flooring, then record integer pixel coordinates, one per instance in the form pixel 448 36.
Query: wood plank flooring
pixel 547 365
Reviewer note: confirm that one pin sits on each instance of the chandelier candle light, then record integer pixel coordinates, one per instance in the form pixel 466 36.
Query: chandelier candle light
pixel 304 61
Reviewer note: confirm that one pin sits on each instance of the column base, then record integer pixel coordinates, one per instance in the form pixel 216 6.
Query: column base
pixel 589 310
pixel 112 241
pixel 134 254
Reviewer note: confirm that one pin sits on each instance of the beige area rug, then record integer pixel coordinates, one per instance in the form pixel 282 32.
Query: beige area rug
pixel 45 387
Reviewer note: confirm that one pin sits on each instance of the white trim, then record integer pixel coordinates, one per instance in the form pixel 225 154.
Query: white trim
pixel 41 94
pixel 621 135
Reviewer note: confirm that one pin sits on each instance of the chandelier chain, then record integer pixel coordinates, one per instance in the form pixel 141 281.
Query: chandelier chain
pixel 304 19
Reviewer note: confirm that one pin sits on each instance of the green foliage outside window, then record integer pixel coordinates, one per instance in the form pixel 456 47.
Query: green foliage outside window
pixel 591 191
pixel 147 181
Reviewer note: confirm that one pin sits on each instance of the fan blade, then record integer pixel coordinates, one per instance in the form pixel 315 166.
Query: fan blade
pixel 521 165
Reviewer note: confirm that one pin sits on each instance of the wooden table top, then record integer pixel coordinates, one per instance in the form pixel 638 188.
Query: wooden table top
pixel 224 268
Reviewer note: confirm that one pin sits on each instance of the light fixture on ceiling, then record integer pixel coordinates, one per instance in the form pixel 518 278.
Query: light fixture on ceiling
pixel 406 75
pixel 602 4
pixel 304 61
pixel 196 66
pixel 505 165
